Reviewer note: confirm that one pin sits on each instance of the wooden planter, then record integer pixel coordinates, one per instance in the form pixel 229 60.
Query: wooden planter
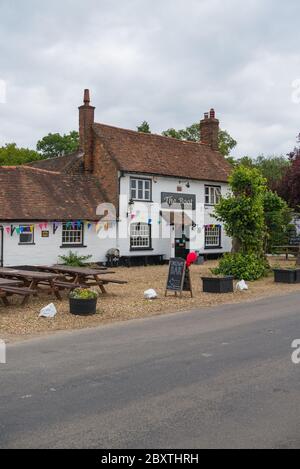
pixel 218 284
pixel 83 307
pixel 286 276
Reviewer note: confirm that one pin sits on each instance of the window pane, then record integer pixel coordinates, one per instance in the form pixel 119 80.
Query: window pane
pixel 133 183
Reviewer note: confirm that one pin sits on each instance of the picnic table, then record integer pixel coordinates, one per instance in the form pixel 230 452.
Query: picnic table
pixel 287 249
pixel 5 282
pixel 31 280
pixel 76 277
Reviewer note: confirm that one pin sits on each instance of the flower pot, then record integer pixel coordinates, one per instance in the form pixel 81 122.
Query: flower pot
pixel 285 276
pixel 297 272
pixel 217 284
pixel 81 307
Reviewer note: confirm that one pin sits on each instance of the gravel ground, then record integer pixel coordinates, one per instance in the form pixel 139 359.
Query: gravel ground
pixel 126 302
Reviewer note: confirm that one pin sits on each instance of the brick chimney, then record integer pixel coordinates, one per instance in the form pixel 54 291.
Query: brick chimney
pixel 86 121
pixel 209 130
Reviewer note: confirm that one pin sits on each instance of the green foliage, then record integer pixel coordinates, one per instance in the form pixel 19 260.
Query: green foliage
pixel 192 134
pixel 73 260
pixel 11 155
pixel 242 266
pixel 273 168
pixel 144 127
pixel 83 294
pixel 226 143
pixel 278 217
pixel 53 145
pixel 242 212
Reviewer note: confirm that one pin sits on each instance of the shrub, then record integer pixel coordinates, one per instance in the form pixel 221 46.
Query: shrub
pixel 83 294
pixel 242 266
pixel 73 260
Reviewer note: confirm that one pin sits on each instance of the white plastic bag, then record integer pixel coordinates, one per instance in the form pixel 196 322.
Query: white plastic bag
pixel 48 312
pixel 242 285
pixel 150 294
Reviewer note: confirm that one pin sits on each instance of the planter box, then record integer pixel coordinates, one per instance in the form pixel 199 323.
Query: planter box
pixel 297 271
pixel 218 284
pixel 286 275
pixel 83 307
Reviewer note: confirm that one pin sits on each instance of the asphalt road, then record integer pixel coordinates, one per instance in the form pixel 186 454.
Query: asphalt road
pixel 213 378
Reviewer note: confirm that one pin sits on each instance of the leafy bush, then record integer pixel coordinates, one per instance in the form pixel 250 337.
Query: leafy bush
pixel 73 260
pixel 242 266
pixel 83 294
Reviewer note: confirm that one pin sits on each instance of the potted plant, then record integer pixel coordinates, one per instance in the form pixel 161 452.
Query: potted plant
pixel 218 284
pixel 83 302
pixel 287 275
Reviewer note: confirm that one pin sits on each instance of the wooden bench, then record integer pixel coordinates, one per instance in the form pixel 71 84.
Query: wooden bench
pixel 21 291
pixel 67 285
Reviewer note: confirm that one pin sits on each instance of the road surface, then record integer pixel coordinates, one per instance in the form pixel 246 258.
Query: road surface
pixel 212 378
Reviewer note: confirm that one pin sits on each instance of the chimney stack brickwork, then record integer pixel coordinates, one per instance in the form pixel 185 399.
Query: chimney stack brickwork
pixel 86 121
pixel 209 130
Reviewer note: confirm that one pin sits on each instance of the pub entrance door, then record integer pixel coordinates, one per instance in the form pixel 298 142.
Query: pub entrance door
pixel 182 246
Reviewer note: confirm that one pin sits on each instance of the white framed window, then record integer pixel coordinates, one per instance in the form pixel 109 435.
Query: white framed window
pixel 212 195
pixel 140 189
pixel 212 237
pixel 140 236
pixel 72 234
pixel 26 234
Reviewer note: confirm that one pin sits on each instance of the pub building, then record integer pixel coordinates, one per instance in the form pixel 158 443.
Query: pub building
pixel 144 195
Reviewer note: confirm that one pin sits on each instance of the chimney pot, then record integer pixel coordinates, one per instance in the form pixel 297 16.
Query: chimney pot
pixel 86 98
pixel 212 114
pixel 206 115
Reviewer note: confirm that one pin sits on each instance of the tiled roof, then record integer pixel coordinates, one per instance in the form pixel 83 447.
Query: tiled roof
pixel 64 164
pixel 28 193
pixel 154 154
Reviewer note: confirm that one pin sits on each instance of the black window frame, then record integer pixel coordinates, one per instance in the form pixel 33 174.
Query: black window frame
pixel 72 245
pixel 32 243
pixel 220 239
pixel 137 249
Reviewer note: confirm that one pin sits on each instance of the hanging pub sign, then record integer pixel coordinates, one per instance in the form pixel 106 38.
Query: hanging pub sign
pixel 179 279
pixel 45 234
pixel 178 201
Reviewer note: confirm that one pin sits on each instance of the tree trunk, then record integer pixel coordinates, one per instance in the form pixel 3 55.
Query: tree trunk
pixel 236 245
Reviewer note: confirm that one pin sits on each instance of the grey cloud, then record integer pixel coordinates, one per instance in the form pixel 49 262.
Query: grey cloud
pixel 163 61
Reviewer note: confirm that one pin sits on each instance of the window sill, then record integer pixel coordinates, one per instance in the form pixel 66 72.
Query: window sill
pixel 141 249
pixel 67 246
pixel 26 244
pixel 213 247
pixel 143 200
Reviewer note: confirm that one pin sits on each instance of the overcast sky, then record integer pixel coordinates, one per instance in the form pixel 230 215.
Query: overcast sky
pixel 164 61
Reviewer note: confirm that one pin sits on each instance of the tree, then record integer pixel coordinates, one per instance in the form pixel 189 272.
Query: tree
pixel 243 211
pixel 144 127
pixel 11 155
pixel 53 145
pixel 278 217
pixel 273 168
pixel 192 134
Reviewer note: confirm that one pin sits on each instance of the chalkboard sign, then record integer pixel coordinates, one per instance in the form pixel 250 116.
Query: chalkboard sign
pixel 179 277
